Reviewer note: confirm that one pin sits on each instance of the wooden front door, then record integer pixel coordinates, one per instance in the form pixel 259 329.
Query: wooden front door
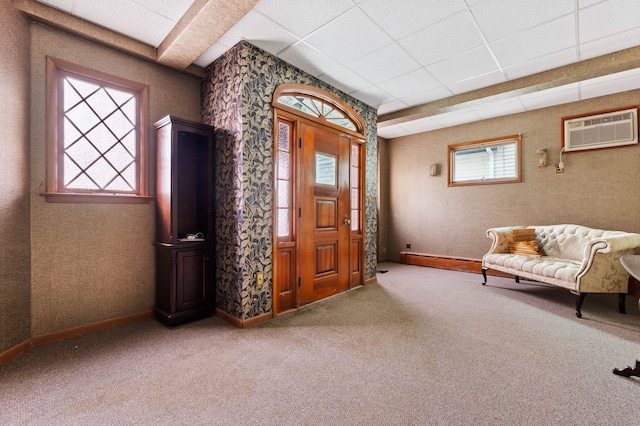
pixel 319 148
pixel 324 213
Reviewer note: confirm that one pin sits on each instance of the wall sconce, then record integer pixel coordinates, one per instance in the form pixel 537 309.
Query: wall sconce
pixel 434 170
pixel 560 165
pixel 542 157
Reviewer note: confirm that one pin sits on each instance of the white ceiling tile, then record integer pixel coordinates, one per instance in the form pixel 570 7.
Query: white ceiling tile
pixel 392 106
pixel 344 79
pixel 586 3
pixel 456 118
pixel 607 18
pixel 390 132
pixel 499 108
pixel 613 43
pixel 500 18
pixel 66 5
pixel 260 31
pixel 542 40
pixel 556 96
pixel 211 54
pixel 457 68
pixel 125 18
pixel 421 125
pixel 173 9
pixel 384 64
pixel 308 59
pixel 337 37
pixel 613 83
pixel 373 96
pixel 543 63
pixel 477 82
pixel 403 17
pixel 302 17
pixel 453 35
pixel 409 84
pixel 427 96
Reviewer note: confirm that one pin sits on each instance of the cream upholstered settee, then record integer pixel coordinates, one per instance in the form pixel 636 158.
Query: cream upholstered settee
pixel 575 257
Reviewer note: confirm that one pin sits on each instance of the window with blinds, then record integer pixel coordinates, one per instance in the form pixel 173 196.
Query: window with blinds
pixel 484 162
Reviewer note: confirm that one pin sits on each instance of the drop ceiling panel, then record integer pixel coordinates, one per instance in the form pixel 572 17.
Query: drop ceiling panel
pixel 169 9
pixel 456 118
pixel 125 18
pixel 344 79
pixel 308 59
pixel 260 31
pixel 391 132
pixel 608 18
pixel 543 63
pixel 372 95
pixel 384 64
pixel 451 36
pixel 211 54
pixel 457 68
pixel 400 18
pixel 409 84
pixel 616 83
pixel 428 96
pixel 612 43
pixel 550 97
pixel 421 125
pixel 337 37
pixel 499 108
pixel 501 18
pixel 391 106
pixel 542 40
pixel 302 17
pixel 477 82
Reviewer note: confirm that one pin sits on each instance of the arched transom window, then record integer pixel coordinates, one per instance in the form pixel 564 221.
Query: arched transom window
pixel 320 105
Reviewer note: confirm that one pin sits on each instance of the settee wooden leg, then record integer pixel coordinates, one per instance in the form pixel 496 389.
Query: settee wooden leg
pixel 518 279
pixel 622 297
pixel 484 275
pixel 579 299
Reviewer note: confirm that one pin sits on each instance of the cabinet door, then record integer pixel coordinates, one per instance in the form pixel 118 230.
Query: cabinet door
pixel 193 279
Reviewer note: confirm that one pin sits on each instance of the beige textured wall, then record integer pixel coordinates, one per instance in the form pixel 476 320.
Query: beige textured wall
pixel 599 188
pixel 15 304
pixel 92 262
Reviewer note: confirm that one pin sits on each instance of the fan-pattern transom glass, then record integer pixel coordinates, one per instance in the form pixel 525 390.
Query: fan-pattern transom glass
pixel 99 141
pixel 317 108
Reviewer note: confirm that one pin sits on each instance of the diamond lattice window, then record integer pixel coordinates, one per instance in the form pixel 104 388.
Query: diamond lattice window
pixel 99 137
pixel 97 143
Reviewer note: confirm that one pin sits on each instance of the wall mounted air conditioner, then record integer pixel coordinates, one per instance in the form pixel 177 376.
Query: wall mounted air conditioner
pixel 605 130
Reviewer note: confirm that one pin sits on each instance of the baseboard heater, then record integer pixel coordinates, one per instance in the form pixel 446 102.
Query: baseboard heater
pixel 463 264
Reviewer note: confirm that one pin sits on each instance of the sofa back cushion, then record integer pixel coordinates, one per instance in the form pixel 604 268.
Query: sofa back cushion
pixel 567 241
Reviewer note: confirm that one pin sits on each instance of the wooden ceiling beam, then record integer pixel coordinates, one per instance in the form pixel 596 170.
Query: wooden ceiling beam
pixel 203 23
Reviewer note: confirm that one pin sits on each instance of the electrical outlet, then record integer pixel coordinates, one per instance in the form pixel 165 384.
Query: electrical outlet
pixel 408 246
pixel 259 279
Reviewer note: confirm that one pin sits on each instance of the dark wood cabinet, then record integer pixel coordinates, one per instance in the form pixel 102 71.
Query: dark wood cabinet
pixel 185 235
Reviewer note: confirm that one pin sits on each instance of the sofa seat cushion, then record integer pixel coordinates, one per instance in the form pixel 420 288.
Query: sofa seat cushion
pixel 544 266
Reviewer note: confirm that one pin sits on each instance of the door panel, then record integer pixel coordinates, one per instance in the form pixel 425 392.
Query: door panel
pixel 324 213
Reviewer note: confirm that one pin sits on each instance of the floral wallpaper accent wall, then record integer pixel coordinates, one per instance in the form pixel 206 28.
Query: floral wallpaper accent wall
pixel 236 99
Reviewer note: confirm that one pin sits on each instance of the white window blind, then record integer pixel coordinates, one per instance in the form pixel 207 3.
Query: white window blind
pixel 494 162
pixel 485 161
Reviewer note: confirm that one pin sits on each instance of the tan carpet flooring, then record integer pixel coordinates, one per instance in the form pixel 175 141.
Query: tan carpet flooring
pixel 422 347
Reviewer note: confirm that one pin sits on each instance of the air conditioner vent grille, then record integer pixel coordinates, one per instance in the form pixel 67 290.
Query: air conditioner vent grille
pixel 601 131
